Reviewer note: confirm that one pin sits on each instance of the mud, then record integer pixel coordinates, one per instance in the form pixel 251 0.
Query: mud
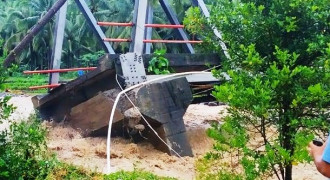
pixel 90 153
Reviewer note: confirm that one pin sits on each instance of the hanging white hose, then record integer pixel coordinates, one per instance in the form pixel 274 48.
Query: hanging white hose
pixel 129 89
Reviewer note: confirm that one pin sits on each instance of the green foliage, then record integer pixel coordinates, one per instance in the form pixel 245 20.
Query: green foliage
pixel 67 172
pixel 3 71
pixel 23 82
pixel 194 20
pixel 90 59
pixel 135 175
pixel 207 168
pixel 5 108
pixel 18 16
pixel 23 151
pixel 279 88
pixel 159 64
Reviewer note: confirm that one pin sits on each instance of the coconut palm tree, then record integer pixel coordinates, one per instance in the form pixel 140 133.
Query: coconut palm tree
pixel 17 16
pixel 22 15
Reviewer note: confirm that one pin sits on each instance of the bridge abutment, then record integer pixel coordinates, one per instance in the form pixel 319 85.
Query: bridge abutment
pixel 86 102
pixel 164 104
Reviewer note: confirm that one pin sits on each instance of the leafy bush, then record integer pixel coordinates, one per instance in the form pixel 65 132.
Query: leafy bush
pixel 23 151
pixel 66 171
pixel 159 64
pixel 5 108
pixel 3 72
pixel 90 59
pixel 135 175
pixel 279 89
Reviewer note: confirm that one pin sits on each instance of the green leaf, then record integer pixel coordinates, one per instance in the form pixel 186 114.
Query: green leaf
pixel 315 89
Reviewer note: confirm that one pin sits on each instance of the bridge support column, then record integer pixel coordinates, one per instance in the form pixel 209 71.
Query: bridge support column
pixel 164 104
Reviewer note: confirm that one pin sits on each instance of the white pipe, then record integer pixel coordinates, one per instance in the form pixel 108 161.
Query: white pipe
pixel 125 91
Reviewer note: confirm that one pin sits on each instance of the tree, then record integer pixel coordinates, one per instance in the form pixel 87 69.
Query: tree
pixel 5 108
pixel 279 89
pixel 18 16
pixel 22 15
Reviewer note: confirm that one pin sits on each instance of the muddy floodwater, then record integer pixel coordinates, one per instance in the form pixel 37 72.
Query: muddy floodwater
pixel 90 152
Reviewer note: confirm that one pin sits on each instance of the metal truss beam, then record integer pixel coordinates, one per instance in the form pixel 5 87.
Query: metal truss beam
pixel 174 20
pixel 138 44
pixel 150 16
pixel 205 11
pixel 134 20
pixel 55 61
pixel 93 24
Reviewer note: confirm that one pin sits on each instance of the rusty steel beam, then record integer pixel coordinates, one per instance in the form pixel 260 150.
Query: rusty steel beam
pixel 59 70
pixel 116 40
pixel 174 26
pixel 44 86
pixel 130 24
pixel 171 41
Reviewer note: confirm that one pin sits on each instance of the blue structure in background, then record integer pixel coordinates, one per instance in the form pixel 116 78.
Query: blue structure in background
pixel 80 73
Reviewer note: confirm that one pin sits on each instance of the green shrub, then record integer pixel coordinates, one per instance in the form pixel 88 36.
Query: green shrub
pixel 90 59
pixel 23 151
pixel 279 89
pixel 3 71
pixel 5 108
pixel 65 171
pixel 159 64
pixel 135 175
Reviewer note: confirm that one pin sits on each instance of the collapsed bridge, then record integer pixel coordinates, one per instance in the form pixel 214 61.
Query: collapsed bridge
pixel 87 101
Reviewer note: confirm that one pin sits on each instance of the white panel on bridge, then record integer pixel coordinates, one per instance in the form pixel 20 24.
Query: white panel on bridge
pixel 133 68
pixel 194 78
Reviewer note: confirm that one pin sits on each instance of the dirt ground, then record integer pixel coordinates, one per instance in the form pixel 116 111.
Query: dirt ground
pixel 90 153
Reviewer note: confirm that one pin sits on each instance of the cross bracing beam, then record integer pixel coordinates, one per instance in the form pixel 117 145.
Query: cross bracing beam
pixel 205 11
pixel 115 24
pixel 93 24
pixel 165 26
pixel 174 20
pixel 171 41
pixel 116 40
